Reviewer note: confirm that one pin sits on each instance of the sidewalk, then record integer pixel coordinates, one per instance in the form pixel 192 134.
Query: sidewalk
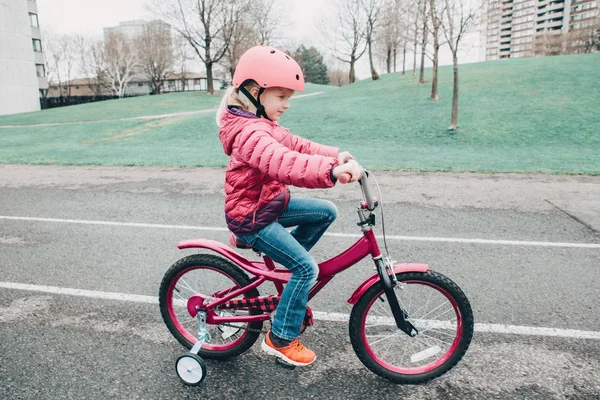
pixel 575 195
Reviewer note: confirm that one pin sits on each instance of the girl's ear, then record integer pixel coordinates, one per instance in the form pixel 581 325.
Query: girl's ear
pixel 254 91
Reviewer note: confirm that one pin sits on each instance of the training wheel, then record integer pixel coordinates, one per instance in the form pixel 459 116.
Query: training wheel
pixel 191 369
pixel 284 364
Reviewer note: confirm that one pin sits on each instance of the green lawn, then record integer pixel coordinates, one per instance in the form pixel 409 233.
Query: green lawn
pixel 128 107
pixel 526 115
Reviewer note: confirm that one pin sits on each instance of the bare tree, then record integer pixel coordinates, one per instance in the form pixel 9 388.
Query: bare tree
pixel 346 35
pixel 243 37
pixel 256 26
pixel 335 72
pixel 181 50
pixel 372 10
pixel 156 58
pixel 415 17
pixel 549 44
pixel 61 57
pixel 391 33
pixel 459 17
pixel 121 62
pixel 424 35
pixel 586 38
pixel 264 21
pixel 435 23
pixel 93 63
pixel 405 45
pixel 207 25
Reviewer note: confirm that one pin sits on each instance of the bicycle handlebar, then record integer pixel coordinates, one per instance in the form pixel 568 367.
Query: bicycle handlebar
pixel 365 188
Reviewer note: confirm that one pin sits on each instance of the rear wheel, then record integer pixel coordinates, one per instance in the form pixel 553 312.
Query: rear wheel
pixel 211 277
pixel 436 307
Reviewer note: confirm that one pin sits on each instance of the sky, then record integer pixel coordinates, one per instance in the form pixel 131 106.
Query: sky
pixel 299 24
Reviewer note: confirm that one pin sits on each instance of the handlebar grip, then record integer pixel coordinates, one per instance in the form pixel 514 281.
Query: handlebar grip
pixel 344 178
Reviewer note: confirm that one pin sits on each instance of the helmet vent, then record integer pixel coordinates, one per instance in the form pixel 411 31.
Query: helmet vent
pixel 272 51
pixel 287 57
pixel 297 77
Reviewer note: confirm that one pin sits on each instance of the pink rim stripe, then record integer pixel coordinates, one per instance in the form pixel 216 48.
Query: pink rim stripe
pixel 181 328
pixel 425 368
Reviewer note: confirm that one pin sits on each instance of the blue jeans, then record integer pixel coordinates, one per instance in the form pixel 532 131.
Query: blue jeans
pixel 311 217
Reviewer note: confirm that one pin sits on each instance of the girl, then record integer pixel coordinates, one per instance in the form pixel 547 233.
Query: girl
pixel 265 158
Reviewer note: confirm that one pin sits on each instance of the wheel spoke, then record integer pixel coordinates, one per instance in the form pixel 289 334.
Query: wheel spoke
pixel 202 275
pixel 384 338
pixel 430 310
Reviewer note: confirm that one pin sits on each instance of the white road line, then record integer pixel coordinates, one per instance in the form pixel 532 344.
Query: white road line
pixel 319 315
pixel 344 235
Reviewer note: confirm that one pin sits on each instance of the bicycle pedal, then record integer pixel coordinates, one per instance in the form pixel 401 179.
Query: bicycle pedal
pixel 284 364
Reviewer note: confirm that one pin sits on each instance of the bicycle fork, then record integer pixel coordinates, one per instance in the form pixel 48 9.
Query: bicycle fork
pixel 388 281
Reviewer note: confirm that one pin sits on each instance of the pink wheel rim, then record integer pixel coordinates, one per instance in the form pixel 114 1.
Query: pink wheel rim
pixel 424 368
pixel 179 326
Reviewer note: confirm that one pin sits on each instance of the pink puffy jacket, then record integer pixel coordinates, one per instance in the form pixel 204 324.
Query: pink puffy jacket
pixel 265 158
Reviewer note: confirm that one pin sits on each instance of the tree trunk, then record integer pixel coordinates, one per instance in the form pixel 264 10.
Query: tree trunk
pixel 374 74
pixel 404 59
pixel 415 44
pixel 434 81
pixel 388 60
pixel 209 78
pixel 423 44
pixel 422 68
pixel 454 122
pixel 395 56
pixel 436 50
pixel 351 75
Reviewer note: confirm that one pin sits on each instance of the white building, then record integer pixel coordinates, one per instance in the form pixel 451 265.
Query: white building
pixel 135 29
pixel 515 28
pixel 22 66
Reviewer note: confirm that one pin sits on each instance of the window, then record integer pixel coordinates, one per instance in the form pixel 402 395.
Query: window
pixel 41 70
pixel 583 6
pixel 140 84
pixel 76 87
pixel 37 45
pixel 33 18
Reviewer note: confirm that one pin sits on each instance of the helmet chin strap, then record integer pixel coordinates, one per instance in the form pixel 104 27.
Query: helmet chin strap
pixel 260 109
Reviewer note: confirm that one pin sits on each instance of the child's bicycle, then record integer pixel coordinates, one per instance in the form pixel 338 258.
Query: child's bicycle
pixel 408 323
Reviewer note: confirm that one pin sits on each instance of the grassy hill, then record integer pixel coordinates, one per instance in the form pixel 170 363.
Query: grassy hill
pixel 526 115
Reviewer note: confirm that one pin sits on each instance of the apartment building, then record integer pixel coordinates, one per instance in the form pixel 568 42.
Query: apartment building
pixel 519 28
pixel 136 28
pixel 22 65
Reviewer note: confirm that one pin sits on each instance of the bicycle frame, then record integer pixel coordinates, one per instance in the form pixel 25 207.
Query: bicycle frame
pixel 266 271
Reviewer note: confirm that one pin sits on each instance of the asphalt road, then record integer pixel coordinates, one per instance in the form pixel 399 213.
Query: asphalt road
pixel 524 248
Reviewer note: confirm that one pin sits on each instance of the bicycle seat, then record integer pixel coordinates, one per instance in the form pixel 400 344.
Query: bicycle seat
pixel 235 242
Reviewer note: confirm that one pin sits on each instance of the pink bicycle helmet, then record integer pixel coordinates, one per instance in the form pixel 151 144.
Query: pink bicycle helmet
pixel 269 67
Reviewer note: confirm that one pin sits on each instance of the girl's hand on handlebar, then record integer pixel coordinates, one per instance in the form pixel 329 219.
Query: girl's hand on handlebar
pixel 351 168
pixel 343 157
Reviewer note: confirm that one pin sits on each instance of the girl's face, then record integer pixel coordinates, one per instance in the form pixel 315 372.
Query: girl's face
pixel 276 101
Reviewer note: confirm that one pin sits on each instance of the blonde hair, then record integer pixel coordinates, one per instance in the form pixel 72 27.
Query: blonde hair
pixel 233 97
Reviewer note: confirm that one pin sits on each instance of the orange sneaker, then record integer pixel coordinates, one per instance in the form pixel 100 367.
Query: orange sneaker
pixel 294 353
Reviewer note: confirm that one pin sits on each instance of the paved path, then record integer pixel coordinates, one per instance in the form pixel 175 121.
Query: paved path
pixel 83 250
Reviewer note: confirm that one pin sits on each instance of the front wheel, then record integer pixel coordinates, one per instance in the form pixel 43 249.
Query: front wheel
pixel 435 306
